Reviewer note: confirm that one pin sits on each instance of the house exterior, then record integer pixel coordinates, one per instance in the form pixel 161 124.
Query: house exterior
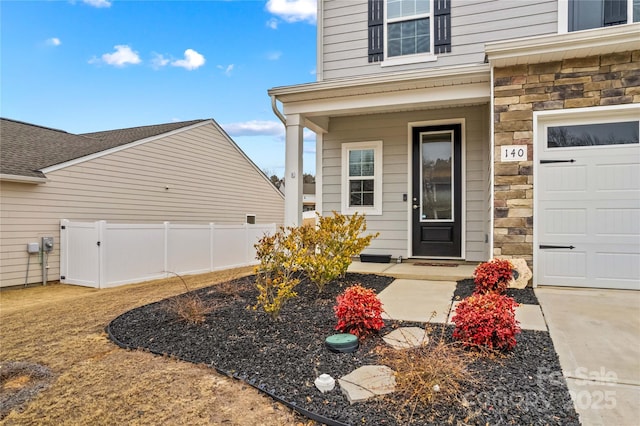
pixel 184 173
pixel 475 129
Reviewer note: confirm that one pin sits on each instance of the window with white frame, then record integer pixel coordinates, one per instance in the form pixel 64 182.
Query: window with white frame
pixel 584 15
pixel 408 27
pixel 362 178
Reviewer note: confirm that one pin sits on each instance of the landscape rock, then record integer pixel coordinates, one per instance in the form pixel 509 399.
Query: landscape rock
pixel 367 381
pixel 524 273
pixel 406 337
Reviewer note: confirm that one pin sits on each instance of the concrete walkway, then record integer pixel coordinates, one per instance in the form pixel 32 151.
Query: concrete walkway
pixel 417 270
pixel 423 292
pixel 596 333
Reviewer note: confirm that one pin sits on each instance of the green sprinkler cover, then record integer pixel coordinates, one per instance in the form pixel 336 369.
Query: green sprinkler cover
pixel 344 342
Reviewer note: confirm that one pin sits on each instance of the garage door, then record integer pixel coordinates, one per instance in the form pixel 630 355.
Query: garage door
pixel 588 205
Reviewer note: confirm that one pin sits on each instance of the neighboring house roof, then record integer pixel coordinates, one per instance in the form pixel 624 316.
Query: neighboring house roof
pixel 309 188
pixel 26 149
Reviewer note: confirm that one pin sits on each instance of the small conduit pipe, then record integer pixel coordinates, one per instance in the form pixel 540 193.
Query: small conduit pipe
pixel 276 111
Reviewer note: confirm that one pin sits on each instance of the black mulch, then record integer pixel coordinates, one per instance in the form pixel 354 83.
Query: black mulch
pixel 284 357
pixel 526 296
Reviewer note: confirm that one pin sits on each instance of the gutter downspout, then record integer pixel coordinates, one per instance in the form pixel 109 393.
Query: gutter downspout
pixel 276 111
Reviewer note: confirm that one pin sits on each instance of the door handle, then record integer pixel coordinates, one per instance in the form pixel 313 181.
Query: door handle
pixel 545 246
pixel 557 161
pixel 415 206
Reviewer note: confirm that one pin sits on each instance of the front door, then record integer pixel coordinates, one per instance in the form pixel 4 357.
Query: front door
pixel 437 191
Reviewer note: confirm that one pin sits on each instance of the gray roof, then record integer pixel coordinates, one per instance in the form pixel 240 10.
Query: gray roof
pixel 26 148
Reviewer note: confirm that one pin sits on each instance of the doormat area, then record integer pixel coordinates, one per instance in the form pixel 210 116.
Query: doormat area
pixel 448 265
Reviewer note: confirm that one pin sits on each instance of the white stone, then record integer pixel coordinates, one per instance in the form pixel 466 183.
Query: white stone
pixel 325 383
pixel 406 337
pixel 368 381
pixel 524 273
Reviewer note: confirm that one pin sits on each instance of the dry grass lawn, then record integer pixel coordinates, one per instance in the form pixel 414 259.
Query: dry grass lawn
pixel 95 382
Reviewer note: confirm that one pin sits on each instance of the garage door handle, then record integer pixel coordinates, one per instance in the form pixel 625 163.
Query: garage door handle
pixel 542 246
pixel 557 161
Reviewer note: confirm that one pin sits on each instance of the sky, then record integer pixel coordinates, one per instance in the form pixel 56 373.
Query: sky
pixel 91 65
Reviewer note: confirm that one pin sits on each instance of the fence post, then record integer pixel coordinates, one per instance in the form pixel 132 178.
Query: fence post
pixel 211 245
pixel 166 249
pixel 101 228
pixel 64 250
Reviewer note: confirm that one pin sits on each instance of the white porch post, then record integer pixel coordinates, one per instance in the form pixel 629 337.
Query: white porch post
pixel 293 171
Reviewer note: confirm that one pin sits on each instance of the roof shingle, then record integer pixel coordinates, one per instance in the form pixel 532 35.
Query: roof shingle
pixel 26 148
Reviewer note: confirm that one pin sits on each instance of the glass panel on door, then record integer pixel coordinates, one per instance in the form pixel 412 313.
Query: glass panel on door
pixel 437 176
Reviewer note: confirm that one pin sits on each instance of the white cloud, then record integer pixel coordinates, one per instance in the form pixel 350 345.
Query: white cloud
pixel 272 23
pixel 267 128
pixel 274 56
pixel 228 69
pixel 255 128
pixel 192 60
pixel 293 10
pixel 158 61
pixel 98 3
pixel 53 41
pixel 121 57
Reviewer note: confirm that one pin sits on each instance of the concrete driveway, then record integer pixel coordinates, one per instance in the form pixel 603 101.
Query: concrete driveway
pixel 596 334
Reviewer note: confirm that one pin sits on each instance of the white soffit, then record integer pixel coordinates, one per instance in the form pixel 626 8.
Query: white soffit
pixel 556 47
pixel 398 92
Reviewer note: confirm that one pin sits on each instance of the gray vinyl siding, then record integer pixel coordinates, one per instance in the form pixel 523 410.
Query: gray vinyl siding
pixel 392 129
pixel 473 23
pixel 209 180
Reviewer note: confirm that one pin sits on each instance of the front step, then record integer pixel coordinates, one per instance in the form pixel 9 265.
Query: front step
pixel 417 270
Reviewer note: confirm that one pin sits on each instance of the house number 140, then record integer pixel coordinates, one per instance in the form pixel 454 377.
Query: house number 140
pixel 514 153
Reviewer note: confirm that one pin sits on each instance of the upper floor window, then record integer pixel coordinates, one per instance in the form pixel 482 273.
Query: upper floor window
pixel 584 15
pixel 407 31
pixel 408 27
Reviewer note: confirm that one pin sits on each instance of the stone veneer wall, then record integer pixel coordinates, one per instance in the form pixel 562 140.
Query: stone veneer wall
pixel 520 90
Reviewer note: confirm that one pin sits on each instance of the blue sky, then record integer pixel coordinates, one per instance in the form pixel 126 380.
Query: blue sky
pixel 91 65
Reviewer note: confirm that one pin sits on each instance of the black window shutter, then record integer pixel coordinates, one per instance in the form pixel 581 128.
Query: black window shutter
pixel 615 12
pixel 376 30
pixel 442 26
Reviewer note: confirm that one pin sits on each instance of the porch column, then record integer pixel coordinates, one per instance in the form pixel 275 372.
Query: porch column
pixel 293 171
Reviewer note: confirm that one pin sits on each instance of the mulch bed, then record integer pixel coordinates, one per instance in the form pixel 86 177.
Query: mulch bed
pixel 284 357
pixel 525 296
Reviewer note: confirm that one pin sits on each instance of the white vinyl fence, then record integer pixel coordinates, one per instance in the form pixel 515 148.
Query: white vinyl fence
pixel 102 255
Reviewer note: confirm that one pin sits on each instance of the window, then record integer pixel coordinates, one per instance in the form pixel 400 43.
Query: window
pixel 408 27
pixel 584 15
pixel 408 31
pixel 620 133
pixel 362 177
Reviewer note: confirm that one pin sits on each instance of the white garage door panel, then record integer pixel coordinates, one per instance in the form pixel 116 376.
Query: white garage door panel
pixel 616 265
pixel 592 205
pixel 617 177
pixel 565 264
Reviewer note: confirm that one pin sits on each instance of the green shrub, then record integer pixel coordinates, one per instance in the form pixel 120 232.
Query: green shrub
pixel 323 254
pixel 330 247
pixel 277 275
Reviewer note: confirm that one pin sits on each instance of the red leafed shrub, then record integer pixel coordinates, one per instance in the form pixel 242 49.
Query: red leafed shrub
pixel 487 320
pixel 493 276
pixel 359 311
